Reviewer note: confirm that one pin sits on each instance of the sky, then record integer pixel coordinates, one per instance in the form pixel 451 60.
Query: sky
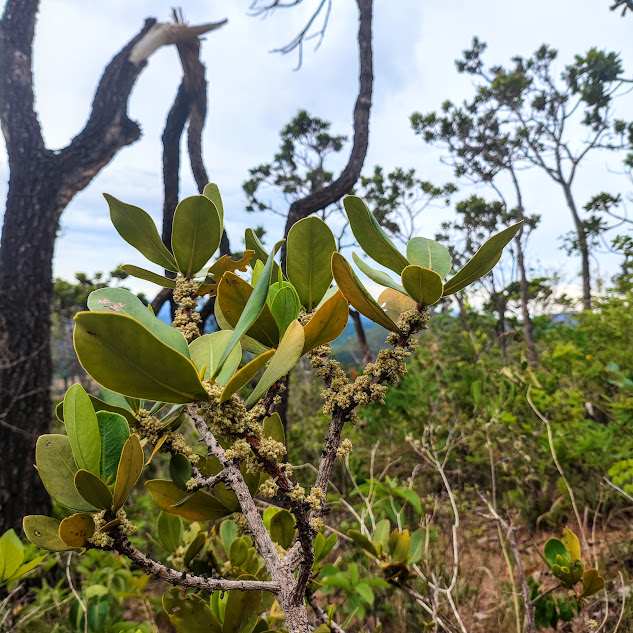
pixel 253 93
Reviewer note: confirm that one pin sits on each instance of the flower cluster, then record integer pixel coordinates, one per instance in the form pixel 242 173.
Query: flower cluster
pixel 187 319
pixel 151 428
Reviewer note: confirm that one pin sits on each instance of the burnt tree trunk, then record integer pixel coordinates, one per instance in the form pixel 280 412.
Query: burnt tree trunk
pixel 41 184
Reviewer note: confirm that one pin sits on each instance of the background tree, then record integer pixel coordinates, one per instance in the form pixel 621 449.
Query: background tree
pixel 41 184
pixel 544 111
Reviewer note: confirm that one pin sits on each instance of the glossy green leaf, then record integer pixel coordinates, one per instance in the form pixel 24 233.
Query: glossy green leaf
pixel 101 405
pixel 189 613
pixel 233 296
pixel 257 271
pixel 93 490
pixel 43 532
pixel 180 470
pixel 395 303
pixel 56 467
pixel 124 356
pixel 206 351
pixel 429 254
pixel 137 228
pixel 245 374
pixel 274 427
pixel 82 429
pixel 129 470
pixel 327 323
pixel 114 431
pixel 378 276
pixel 553 548
pixel 282 528
pixel 196 233
pixel 309 251
pixel 354 291
pixel 285 358
pixel 483 261
pixel 212 192
pixel 11 554
pixel 422 284
pixel 254 306
pixel 122 301
pixel 199 506
pixel 148 275
pixel 194 548
pixel 242 609
pixel 370 236
pixel 285 308
pixel 75 530
pixel 170 531
pixel 592 582
pixel 118 400
pixel 238 552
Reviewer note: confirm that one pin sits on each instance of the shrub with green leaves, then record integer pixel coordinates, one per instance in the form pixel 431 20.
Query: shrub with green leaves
pixel 158 381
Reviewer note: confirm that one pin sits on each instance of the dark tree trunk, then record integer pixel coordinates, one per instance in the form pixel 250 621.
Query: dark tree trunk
pixel 365 352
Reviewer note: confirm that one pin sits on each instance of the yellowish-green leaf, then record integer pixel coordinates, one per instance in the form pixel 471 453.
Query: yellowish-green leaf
pixel 148 275
pixel 285 358
pixel 190 613
pixel 212 192
pixel 429 254
pixel 56 467
pixel 129 471
pixel 124 356
pixel 327 323
pixel 137 228
pixel 170 531
pixel 572 544
pixel 354 291
pixel 242 609
pixel 27 567
pixel 43 532
pixel 199 506
pixel 285 308
pixel 206 351
pixel 245 374
pixel 309 251
pixel 93 490
pixel 422 284
pixel 370 236
pixel 82 429
pixel 273 427
pixel 483 261
pixel 592 582
pixel 395 303
pixel 196 233
pixel 194 547
pixel 248 344
pixel 75 530
pixel 11 554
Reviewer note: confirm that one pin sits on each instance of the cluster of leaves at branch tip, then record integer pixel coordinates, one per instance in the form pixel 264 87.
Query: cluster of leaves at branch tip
pixel 149 372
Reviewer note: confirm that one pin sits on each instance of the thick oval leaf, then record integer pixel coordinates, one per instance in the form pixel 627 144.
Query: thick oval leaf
pixel 553 548
pixel 572 544
pixel 75 530
pixel 354 291
pixel 282 528
pixel 56 467
pixel 199 506
pixel 376 275
pixel 114 431
pixel 180 470
pixel 82 429
pixel 148 275
pixel 248 344
pixel 429 254
pixel 196 233
pixel 592 582
pixel 254 306
pixel 370 236
pixel 93 490
pixel 194 547
pixel 273 427
pixel 360 539
pixel 233 296
pixel 309 251
pixel 129 470
pixel 399 545
pixel 395 303
pixel 212 192
pixel 137 228
pixel 123 301
pixel 483 261
pixel 43 532
pixel 242 609
pixel 238 552
pixel 206 350
pixel 170 531
pixel 422 284
pixel 285 308
pixel 327 323
pixel 101 405
pixel 285 358
pixel 245 374
pixel 124 356
pixel 190 613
